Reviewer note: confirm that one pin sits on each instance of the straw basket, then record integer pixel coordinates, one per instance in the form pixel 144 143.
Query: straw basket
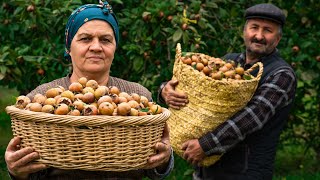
pixel 93 143
pixel 211 102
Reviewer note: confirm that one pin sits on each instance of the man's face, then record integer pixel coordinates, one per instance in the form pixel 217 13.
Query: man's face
pixel 261 36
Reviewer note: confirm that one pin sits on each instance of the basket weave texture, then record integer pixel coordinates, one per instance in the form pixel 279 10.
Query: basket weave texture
pixel 211 102
pixel 93 143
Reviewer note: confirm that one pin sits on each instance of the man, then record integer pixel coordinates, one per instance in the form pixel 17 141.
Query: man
pixel 248 139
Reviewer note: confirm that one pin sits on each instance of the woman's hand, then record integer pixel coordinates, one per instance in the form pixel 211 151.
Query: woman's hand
pixel 163 149
pixel 19 161
pixel 173 98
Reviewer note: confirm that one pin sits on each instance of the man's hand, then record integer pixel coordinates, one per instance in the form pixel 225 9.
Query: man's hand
pixel 19 161
pixel 193 152
pixel 173 98
pixel 163 149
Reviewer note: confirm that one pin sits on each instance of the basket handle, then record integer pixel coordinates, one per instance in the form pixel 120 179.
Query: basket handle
pixel 258 64
pixel 178 53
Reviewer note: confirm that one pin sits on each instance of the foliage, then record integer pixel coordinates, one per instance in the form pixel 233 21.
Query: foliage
pixel 31 34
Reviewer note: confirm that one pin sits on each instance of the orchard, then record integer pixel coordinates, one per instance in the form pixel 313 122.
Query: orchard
pixel 32 46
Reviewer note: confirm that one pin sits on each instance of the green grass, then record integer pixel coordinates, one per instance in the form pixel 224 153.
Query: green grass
pixel 7 98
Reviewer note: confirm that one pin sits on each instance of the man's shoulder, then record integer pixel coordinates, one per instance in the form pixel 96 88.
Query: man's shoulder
pixel 231 56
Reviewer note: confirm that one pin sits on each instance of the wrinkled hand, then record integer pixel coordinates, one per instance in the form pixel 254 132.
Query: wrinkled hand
pixel 173 98
pixel 19 161
pixel 163 149
pixel 193 152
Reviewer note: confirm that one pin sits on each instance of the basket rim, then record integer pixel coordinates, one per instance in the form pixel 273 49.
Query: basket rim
pixel 255 78
pixel 91 121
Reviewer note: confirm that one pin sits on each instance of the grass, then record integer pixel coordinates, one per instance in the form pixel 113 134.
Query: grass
pixel 7 98
pixel 291 162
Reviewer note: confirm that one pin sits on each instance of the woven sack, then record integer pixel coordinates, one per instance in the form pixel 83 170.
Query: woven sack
pixel 211 102
pixel 93 143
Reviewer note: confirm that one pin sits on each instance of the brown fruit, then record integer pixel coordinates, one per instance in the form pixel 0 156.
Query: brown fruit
pixel 126 95
pixel 144 100
pixel 133 104
pixel 124 34
pixel 76 87
pixel 186 60
pixel 230 74
pixel 224 69
pixel 48 109
pixel 295 49
pixel 88 97
pixel 106 108
pixel 136 97
pixel 122 99
pixel 36 107
pixel 100 91
pixel 197 46
pixel 22 102
pixel 199 66
pixel 206 70
pixel 64 100
pixel 68 94
pixel 30 8
pixel 239 70
pixel 50 101
pixel 114 90
pixel 194 58
pixel 217 75
pixel 90 110
pixel 78 104
pixel 39 98
pixel 134 112
pixel 105 98
pixel 53 92
pixel 141 113
pixel 237 77
pixel 156 109
pixel 197 17
pixel 62 109
pixel 318 58
pixel 169 18
pixel 123 109
pixel 88 89
pixel 40 71
pixel 74 112
pixel 83 81
pixel 161 14
pixel 184 26
pixel 92 83
pixel 78 96
pixel 115 98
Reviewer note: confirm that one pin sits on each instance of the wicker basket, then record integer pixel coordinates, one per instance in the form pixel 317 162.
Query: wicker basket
pixel 93 143
pixel 211 102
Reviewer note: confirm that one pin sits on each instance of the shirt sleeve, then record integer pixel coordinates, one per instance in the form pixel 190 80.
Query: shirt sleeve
pixel 277 91
pixel 154 174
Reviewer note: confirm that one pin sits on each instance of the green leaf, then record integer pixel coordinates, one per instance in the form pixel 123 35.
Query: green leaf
pixel 177 35
pixel 137 64
pixel 144 109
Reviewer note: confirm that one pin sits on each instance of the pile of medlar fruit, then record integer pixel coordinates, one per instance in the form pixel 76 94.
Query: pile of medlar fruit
pixel 216 68
pixel 86 98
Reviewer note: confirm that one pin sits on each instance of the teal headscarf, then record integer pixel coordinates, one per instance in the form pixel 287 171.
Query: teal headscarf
pixel 102 11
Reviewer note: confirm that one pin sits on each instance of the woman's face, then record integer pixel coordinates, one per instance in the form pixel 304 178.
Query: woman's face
pixel 92 48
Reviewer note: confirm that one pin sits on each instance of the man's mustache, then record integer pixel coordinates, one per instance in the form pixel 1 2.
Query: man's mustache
pixel 255 40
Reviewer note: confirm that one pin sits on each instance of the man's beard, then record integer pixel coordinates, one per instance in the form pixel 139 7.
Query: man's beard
pixel 257 54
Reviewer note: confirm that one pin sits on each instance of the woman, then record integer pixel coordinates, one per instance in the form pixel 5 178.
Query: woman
pixel 92 37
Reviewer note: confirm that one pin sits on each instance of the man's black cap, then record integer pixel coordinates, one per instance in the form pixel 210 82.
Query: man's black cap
pixel 266 11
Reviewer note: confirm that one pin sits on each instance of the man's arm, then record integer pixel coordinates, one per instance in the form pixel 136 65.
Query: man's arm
pixel 278 91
